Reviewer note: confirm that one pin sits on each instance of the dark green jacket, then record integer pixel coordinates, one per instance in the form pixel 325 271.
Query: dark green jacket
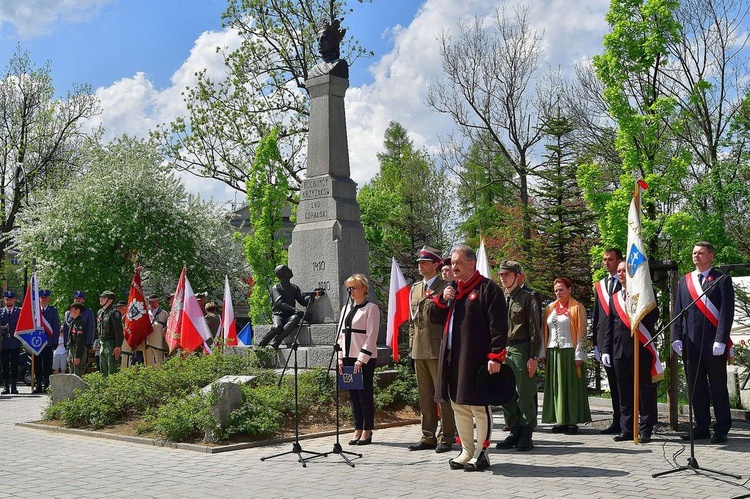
pixel 109 325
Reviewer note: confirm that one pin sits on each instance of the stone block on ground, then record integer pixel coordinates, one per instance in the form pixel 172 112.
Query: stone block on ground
pixel 63 386
pixel 228 398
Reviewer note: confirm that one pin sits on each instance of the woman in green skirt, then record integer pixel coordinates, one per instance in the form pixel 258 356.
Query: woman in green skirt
pixel 566 402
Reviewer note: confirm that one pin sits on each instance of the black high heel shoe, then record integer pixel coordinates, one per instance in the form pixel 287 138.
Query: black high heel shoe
pixel 355 441
pixel 366 441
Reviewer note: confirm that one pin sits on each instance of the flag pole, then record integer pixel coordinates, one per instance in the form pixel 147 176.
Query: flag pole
pixel 636 343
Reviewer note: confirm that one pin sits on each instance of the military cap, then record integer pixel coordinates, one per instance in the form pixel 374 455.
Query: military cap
pixel 511 266
pixel 428 254
pixel 77 305
pixel 9 294
pixel 108 294
pixel 79 294
pixel 122 303
pixel 45 292
pixel 153 297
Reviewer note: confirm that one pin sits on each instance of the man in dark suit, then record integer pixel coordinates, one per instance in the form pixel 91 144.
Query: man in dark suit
pixel 11 346
pixel 424 340
pixel 605 288
pixel 618 352
pixel 701 336
pixel 43 364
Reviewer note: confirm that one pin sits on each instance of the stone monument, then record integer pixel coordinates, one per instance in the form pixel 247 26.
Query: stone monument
pixel 328 241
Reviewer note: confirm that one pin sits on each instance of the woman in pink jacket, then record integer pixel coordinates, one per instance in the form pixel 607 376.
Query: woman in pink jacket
pixel 358 333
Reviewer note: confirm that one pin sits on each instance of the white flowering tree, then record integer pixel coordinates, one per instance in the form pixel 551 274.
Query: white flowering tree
pixel 128 207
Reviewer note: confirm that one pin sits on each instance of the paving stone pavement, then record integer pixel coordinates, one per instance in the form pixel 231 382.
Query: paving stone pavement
pixel 37 463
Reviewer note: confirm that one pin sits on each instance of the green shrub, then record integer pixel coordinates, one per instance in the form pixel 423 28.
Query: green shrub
pixel 402 391
pixel 183 419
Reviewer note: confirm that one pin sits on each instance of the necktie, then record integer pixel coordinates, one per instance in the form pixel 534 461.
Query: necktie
pixel 611 289
pixel 700 279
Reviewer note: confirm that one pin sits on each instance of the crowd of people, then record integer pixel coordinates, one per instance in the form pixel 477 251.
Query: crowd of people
pixel 461 324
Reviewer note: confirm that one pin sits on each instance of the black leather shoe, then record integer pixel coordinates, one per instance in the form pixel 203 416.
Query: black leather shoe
pixel 559 428
pixel 698 435
pixel 367 441
pixel 5 392
pixel 354 441
pixel 623 437
pixel 718 439
pixel 644 438
pixel 481 464
pixel 423 446
pixel 37 390
pixel 14 391
pixel 443 447
pixel 571 430
pixel 510 441
pixel 455 465
pixel 612 429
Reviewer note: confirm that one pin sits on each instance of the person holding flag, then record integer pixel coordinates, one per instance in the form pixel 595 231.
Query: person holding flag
pixel 43 366
pixel 156 346
pixel 11 346
pixel 700 334
pixel 618 352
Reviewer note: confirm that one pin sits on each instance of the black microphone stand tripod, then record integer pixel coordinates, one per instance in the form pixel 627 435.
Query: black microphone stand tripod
pixel 296 447
pixel 337 348
pixel 692 463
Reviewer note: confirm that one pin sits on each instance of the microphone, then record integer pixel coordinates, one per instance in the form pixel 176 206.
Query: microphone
pixel 732 266
pixel 349 289
pixel 454 285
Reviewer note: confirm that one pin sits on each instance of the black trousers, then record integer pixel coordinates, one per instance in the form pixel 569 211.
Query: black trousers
pixel 647 394
pixel 9 360
pixel 363 401
pixel 43 367
pixel 615 391
pixel 707 375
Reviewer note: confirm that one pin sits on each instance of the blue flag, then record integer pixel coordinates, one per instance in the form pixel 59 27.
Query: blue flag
pixel 245 337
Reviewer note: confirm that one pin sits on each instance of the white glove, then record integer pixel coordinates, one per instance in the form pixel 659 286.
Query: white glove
pixel 606 360
pixel 677 346
pixel 719 348
pixel 597 354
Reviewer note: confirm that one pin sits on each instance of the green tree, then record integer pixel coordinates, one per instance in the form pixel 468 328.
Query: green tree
pixel 264 89
pixel 40 137
pixel 267 194
pixel 402 206
pixel 126 207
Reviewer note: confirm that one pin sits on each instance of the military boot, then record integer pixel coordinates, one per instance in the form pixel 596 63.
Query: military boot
pixel 510 441
pixel 524 441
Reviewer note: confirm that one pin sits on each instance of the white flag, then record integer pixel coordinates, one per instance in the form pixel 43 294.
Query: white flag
pixel 640 292
pixel 483 264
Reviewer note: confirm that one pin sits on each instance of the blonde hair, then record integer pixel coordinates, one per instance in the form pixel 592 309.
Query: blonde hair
pixel 358 279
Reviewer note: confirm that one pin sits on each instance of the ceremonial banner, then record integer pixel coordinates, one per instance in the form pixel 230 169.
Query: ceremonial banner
pixel 194 332
pixel 137 322
pixel 174 323
pixel 640 291
pixel 32 329
pixel 398 307
pixel 228 324
pixel 483 264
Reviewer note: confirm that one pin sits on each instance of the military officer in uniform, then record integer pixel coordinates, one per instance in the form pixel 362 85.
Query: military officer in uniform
pixel 43 364
pixel 156 345
pixel 524 343
pixel 109 330
pixel 424 340
pixel 11 346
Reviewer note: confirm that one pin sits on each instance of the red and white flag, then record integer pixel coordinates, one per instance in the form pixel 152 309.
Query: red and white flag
pixel 398 307
pixel 137 322
pixel 194 332
pixel 174 323
pixel 32 329
pixel 228 324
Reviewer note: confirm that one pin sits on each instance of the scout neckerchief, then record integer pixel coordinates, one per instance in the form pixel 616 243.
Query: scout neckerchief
pixel 644 336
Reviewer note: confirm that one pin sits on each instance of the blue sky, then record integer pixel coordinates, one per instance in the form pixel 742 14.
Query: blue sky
pixel 104 43
pixel 139 55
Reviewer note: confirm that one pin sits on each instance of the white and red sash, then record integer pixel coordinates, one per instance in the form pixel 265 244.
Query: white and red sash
pixel 644 336
pixel 707 308
pixel 603 294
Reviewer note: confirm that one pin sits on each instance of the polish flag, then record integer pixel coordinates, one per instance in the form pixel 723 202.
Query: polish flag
pixel 398 306
pixel 174 323
pixel 32 328
pixel 228 324
pixel 194 332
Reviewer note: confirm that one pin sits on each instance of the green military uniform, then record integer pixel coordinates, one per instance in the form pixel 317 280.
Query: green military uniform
pixel 109 331
pixel 524 342
pixel 77 348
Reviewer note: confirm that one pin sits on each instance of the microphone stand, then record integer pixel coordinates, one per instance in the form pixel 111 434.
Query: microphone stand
pixel 337 348
pixel 692 463
pixel 296 447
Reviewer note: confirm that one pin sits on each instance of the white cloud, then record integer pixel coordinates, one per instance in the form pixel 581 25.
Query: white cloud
pixel 572 31
pixel 38 17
